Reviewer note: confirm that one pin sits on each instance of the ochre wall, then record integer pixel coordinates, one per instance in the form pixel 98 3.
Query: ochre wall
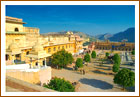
pixel 43 75
pixel 19 39
pixel 70 48
pixel 12 26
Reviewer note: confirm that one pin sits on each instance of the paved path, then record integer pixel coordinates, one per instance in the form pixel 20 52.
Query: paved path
pixel 90 82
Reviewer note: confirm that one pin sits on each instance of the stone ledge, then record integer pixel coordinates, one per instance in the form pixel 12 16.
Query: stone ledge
pixel 32 87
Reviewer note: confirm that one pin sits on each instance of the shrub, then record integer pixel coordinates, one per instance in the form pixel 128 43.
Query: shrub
pixel 93 54
pixel 125 77
pixel 117 59
pixel 107 54
pixel 61 85
pixel 79 62
pixel 133 52
pixel 87 58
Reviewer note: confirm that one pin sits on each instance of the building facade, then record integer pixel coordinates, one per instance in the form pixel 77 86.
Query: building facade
pixel 26 45
pixel 121 46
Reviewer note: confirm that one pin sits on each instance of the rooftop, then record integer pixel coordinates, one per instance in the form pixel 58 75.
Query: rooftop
pixel 14 20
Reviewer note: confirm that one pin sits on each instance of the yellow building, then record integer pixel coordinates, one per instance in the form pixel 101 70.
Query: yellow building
pixel 107 45
pixel 26 45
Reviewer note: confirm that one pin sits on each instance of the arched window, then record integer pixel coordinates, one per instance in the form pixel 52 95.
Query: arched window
pixel 36 63
pixel 43 62
pixel 16 30
pixel 49 50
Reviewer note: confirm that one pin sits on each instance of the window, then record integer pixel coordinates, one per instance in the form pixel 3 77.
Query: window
pixel 54 48
pixel 62 47
pixel 16 30
pixel 18 55
pixel 49 50
pixel 36 63
pixel 17 40
pixel 27 53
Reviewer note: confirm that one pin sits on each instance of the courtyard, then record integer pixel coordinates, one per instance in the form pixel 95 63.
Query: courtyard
pixel 98 78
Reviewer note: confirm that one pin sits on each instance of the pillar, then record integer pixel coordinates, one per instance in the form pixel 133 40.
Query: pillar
pixel 31 66
pixel 13 58
pixel 45 63
pixel 23 56
pixel 38 63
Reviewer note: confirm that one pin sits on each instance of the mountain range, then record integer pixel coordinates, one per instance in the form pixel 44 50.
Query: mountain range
pixel 128 34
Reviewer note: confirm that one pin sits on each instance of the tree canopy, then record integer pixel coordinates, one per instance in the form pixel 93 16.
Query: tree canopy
pixel 125 77
pixel 79 62
pixel 93 54
pixel 87 58
pixel 61 59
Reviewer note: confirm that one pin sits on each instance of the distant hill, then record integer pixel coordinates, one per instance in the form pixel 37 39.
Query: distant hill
pixel 81 34
pixel 103 36
pixel 128 34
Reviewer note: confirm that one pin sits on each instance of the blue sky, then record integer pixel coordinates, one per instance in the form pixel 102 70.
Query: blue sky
pixel 90 19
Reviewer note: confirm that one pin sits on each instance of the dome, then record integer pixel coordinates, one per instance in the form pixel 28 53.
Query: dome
pixel 71 32
pixel 13 46
pixel 38 47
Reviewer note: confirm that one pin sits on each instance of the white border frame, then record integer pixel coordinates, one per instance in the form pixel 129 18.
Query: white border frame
pixel 3 67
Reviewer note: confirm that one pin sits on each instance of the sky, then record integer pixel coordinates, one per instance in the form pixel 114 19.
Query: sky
pixel 90 19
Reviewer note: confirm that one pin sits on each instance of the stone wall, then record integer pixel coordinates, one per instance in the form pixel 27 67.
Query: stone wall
pixel 34 76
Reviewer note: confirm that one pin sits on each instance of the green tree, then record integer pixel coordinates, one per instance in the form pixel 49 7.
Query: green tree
pixel 115 67
pixel 79 62
pixel 61 59
pixel 125 77
pixel 87 58
pixel 106 54
pixel 61 85
pixel 93 54
pixel 133 52
pixel 117 59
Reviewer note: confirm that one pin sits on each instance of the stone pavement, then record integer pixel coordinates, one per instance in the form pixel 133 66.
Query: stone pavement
pixel 90 82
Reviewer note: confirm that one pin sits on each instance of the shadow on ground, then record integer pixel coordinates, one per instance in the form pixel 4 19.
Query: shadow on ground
pixel 103 68
pixel 68 68
pixel 103 65
pixel 99 72
pixel 96 83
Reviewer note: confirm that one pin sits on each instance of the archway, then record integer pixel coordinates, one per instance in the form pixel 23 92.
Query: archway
pixel 16 30
pixel 7 57
pixel 36 63
pixel 43 62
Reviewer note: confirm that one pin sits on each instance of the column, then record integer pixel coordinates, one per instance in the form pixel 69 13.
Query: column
pixel 13 60
pixel 23 56
pixel 38 64
pixel 30 63
pixel 45 63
